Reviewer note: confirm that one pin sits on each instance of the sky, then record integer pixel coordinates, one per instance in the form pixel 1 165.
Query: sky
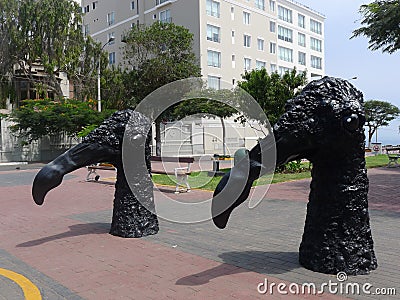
pixel 377 73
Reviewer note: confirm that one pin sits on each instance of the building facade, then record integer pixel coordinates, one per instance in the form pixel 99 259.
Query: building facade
pixel 230 36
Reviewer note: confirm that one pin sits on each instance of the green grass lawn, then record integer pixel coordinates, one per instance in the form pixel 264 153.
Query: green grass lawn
pixel 200 180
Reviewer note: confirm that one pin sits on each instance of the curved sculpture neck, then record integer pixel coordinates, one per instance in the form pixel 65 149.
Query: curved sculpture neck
pixel 337 235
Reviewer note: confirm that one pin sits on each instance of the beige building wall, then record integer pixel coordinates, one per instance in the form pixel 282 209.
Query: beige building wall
pixel 104 18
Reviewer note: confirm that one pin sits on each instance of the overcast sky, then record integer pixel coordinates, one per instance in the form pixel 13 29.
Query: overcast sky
pixel 377 73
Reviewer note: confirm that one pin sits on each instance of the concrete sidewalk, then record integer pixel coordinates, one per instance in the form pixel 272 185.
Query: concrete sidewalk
pixel 64 248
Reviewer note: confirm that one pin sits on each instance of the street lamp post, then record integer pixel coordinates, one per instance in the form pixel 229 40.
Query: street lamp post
pixel 111 39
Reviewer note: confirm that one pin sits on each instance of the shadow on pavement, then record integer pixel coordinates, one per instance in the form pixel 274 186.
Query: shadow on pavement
pixel 75 230
pixel 246 261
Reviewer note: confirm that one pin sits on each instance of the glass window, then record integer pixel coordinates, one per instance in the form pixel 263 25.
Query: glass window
pixel 213 8
pixel 283 70
pixel 315 26
pixel 260 4
pixel 246 18
pixel 285 14
pixel 165 16
pixel 111 58
pixel 272 48
pixel 247 40
pixel 272 5
pixel 316 62
pixel 214 82
pixel 285 34
pixel 260 44
pixel 301 21
pixel 132 5
pixel 316 44
pixel 272 26
pixel 214 58
pixel 273 68
pixel 213 33
pixel 247 64
pixel 285 54
pixel 158 2
pixel 302 58
pixel 302 39
pixel 260 64
pixel 110 18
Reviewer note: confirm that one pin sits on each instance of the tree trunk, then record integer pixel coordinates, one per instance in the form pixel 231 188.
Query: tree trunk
pixel 158 138
pixel 223 136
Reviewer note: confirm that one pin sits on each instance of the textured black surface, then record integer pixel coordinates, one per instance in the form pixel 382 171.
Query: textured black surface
pixel 325 125
pixel 104 144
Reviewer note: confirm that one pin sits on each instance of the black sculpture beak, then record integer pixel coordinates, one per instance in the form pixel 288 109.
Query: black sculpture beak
pixel 234 188
pixel 81 155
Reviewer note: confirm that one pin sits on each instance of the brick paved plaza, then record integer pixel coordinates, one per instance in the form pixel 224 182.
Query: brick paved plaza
pixel 64 248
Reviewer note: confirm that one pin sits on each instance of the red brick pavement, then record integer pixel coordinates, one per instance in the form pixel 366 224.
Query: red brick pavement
pixel 96 265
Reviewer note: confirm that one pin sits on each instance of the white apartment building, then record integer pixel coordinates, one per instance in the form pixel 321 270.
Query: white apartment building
pixel 230 36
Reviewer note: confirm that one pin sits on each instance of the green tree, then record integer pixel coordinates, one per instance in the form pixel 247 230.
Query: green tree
pixel 271 91
pixel 38 118
pixel 157 55
pixel 378 114
pixel 381 25
pixel 44 33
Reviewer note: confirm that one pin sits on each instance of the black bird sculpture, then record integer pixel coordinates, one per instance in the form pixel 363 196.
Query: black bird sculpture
pixel 323 124
pixel 131 218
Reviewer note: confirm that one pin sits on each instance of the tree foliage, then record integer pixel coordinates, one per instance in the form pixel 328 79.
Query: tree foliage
pixel 47 33
pixel 157 55
pixel 271 91
pixel 39 118
pixel 381 25
pixel 378 114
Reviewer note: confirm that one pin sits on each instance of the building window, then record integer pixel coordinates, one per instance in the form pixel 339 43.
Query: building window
pixel 86 30
pixel 213 33
pixel 233 36
pixel 285 54
pixel 285 34
pixel 110 18
pixel 273 68
pixel 316 44
pixel 94 4
pixel 232 13
pixel 260 64
pixel 301 21
pixel 316 62
pixel 285 14
pixel 158 2
pixel 302 58
pixel 247 64
pixel 246 40
pixel 302 40
pixel 87 9
pixel 111 58
pixel 213 8
pixel 271 26
pixel 214 58
pixel 165 16
pixel 260 44
pixel 272 5
pixel 111 35
pixel 132 5
pixel 315 26
pixel 246 18
pixel 283 70
pixel 233 61
pixel 260 4
pixel 214 82
pixel 272 48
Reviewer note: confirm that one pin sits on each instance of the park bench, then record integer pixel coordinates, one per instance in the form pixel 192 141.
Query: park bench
pixel 92 174
pixel 393 154
pixel 181 173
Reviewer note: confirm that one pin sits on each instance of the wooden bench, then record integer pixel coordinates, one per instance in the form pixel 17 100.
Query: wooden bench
pixel 393 154
pixel 181 173
pixel 92 174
